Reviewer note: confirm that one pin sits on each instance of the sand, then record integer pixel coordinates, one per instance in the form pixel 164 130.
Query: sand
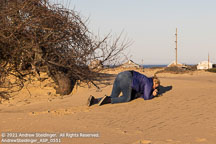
pixel 185 113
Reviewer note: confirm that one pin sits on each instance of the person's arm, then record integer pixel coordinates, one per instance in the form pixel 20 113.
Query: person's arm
pixel 147 93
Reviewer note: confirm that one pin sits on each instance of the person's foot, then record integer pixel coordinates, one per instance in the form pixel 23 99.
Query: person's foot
pixel 91 101
pixel 104 100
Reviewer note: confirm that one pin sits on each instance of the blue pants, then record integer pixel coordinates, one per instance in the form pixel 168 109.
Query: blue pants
pixel 122 83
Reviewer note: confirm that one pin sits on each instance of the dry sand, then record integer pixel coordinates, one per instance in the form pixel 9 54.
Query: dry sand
pixel 185 114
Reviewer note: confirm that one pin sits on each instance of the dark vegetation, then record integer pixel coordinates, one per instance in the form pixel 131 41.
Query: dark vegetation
pixel 36 37
pixel 212 70
pixel 178 70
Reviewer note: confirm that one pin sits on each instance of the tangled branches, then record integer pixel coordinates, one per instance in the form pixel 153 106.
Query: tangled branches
pixel 36 34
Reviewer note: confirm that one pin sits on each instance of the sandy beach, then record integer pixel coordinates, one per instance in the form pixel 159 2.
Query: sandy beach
pixel 184 113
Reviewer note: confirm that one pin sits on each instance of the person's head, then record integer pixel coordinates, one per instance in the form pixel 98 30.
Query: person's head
pixel 156 82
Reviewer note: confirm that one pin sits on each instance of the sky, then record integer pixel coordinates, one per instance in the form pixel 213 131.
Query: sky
pixel 151 26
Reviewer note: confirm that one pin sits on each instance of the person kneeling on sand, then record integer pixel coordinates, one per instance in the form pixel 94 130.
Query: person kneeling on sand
pixel 126 82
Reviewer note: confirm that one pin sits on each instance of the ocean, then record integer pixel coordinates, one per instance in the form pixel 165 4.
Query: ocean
pixel 152 66
pixel 145 66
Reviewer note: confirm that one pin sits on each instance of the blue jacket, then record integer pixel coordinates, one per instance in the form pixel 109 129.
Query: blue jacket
pixel 142 85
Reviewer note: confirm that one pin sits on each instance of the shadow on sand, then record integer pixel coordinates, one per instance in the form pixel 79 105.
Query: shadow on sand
pixel 163 90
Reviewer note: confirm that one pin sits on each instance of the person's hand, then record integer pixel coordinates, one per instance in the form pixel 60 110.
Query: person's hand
pixel 155 92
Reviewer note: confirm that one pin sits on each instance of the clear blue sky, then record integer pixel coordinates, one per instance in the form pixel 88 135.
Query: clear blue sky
pixel 151 25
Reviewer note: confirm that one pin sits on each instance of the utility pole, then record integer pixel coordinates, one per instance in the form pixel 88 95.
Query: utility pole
pixel 208 60
pixel 176 46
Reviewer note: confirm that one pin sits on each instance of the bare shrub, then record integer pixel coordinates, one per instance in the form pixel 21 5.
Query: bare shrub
pixel 35 34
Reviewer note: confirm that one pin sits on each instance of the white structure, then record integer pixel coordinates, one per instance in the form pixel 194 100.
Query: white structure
pixel 130 64
pixel 204 65
pixel 174 64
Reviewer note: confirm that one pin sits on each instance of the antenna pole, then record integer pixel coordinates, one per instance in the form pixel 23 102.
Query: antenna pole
pixel 208 60
pixel 142 65
pixel 176 46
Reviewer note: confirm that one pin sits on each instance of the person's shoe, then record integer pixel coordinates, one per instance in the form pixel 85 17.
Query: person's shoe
pixel 104 100
pixel 91 101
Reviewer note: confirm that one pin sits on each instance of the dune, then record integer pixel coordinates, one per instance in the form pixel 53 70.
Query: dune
pixel 184 113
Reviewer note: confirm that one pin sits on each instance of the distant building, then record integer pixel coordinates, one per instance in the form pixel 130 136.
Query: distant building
pixel 130 64
pixel 204 65
pixel 178 64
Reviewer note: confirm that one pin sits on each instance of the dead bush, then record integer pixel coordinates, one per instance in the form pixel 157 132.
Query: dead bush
pixel 36 36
